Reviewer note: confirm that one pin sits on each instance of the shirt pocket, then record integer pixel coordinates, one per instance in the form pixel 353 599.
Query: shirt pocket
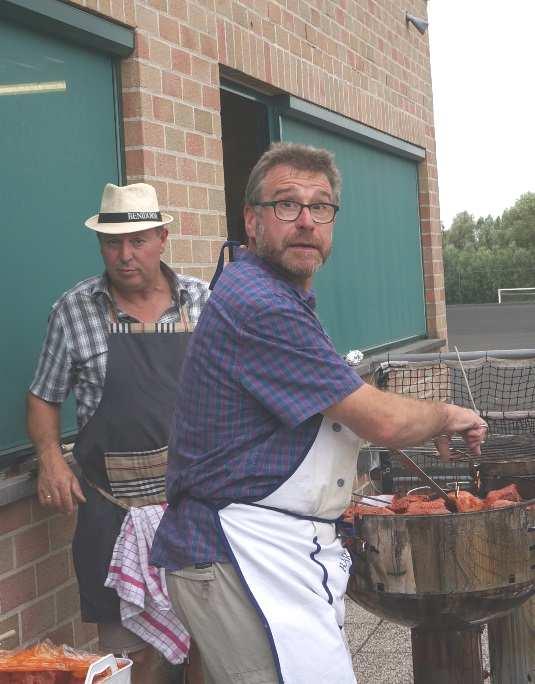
pixel 197 574
pixel 199 582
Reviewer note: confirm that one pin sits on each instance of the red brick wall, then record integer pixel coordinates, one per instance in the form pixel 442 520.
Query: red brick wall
pixel 356 57
pixel 38 588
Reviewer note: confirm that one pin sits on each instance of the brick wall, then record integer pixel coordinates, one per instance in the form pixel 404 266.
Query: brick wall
pixel 356 57
pixel 38 588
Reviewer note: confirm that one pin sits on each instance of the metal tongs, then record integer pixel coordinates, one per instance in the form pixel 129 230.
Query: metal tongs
pixel 451 504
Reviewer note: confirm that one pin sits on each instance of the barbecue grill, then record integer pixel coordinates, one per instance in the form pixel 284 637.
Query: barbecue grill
pixel 444 576
pixel 505 459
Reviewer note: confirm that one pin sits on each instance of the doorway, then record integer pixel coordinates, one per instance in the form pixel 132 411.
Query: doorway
pixel 245 133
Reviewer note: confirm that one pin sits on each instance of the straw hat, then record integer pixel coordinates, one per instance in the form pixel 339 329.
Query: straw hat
pixel 128 209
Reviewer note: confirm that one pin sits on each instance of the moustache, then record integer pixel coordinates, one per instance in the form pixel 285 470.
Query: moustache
pixel 302 243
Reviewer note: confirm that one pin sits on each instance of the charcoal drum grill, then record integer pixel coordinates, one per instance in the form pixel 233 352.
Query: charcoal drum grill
pixel 445 576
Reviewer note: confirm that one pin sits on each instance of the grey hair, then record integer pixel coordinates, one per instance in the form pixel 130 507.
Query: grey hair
pixel 302 157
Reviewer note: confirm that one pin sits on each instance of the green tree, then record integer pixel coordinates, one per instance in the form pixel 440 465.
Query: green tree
pixel 519 222
pixel 462 233
pixel 483 255
pixel 487 232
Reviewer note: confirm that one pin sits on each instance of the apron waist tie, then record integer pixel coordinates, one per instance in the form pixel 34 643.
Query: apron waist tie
pixel 107 495
pixel 299 516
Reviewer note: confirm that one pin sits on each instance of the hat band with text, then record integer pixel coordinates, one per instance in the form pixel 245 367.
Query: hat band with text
pixel 130 216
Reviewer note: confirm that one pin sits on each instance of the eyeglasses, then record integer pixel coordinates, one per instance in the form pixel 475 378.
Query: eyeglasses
pixel 288 210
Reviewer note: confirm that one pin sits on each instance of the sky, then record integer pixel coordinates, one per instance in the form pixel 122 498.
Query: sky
pixel 483 70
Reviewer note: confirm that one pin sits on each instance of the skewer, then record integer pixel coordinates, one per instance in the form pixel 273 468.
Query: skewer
pixel 371 498
pixel 459 452
pixel 412 465
pixel 466 381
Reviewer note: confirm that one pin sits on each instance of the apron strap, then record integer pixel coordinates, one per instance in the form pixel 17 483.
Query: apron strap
pixel 231 244
pixel 184 317
pixel 299 516
pixel 107 495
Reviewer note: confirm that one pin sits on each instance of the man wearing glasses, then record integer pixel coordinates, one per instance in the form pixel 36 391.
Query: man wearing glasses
pixel 264 446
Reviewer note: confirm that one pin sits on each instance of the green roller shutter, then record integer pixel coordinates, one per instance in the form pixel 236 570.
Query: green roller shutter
pixel 59 147
pixel 371 291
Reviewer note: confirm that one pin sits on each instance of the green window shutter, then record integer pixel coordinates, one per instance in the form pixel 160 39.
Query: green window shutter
pixel 59 147
pixel 371 291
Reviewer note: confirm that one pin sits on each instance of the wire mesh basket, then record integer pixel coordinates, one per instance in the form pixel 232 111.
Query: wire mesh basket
pixel 504 393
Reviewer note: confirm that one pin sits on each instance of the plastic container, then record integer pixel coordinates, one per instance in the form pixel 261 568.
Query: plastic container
pixel 122 675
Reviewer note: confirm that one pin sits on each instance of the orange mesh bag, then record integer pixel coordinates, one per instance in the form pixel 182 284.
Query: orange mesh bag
pixel 45 663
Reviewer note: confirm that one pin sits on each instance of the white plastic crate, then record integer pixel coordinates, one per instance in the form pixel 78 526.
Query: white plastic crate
pixel 118 676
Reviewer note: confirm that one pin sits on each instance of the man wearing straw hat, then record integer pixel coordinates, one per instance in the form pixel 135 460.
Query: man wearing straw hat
pixel 117 341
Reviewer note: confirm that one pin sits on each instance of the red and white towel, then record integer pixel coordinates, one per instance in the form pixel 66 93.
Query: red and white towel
pixel 145 606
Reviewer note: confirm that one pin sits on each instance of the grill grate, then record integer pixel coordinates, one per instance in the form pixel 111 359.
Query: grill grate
pixel 504 392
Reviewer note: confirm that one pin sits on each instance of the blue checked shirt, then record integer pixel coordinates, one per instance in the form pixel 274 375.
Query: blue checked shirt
pixel 75 352
pixel 258 371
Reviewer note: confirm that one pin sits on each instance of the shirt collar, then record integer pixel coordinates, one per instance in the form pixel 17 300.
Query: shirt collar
pixel 101 289
pixel 308 296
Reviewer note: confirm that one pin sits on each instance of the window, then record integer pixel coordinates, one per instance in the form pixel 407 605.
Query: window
pixel 371 291
pixel 58 107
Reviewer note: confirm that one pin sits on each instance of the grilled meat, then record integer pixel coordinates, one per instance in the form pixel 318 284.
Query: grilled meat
pixel 509 493
pixel 466 502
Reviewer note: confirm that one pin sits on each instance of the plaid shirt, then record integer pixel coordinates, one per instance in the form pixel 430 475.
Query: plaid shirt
pixel 75 352
pixel 258 372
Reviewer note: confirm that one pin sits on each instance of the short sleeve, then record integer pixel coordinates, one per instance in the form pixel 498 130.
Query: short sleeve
pixel 289 364
pixel 52 379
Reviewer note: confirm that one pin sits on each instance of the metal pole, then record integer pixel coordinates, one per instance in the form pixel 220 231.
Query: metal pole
pixel 437 357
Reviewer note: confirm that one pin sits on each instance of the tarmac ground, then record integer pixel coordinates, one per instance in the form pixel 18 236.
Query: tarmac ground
pixel 478 327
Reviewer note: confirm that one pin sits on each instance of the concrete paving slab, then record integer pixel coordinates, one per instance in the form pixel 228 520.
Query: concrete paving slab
pixel 381 650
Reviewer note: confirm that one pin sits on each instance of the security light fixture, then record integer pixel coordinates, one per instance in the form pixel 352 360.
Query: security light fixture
pixel 420 24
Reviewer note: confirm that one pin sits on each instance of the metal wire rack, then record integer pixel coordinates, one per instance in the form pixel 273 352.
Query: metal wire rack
pixel 504 393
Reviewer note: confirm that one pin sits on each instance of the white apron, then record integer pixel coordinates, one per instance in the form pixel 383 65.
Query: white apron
pixel 292 564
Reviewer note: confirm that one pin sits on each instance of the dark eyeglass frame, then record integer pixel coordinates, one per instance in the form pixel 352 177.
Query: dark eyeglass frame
pixel 274 203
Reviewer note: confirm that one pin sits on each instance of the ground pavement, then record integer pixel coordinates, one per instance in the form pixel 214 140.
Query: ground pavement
pixel 381 650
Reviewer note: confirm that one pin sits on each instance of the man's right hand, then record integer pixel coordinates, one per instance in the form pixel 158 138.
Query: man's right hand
pixel 464 422
pixel 57 485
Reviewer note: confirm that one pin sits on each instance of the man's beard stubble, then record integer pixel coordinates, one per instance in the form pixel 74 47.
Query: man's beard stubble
pixel 277 257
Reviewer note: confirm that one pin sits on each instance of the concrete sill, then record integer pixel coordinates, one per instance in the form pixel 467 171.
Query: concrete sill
pixel 17 487
pixel 24 485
